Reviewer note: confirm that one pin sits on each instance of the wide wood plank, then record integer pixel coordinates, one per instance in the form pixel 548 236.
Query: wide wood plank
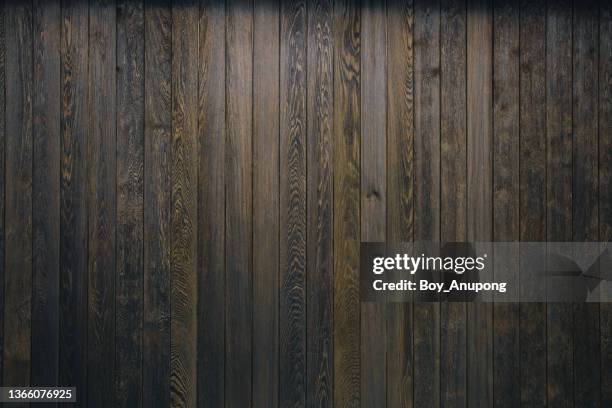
pixel 18 194
pixel 238 198
pixel 532 336
pixel 347 85
pixel 211 205
pixel 184 212
pixel 319 189
pixel 46 193
pixel 130 195
pixel 157 205
pixel 479 190
pixel 73 198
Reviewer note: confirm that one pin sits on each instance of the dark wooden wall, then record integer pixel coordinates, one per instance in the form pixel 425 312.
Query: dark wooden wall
pixel 185 186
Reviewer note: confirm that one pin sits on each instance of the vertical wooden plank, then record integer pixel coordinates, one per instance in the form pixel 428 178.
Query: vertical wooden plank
pixel 157 204
pixel 46 193
pixel 506 145
pixel 400 184
pixel 130 187
pixel 2 179
pixel 532 334
pixel 73 205
pixel 183 219
pixel 266 112
pixel 585 189
pixel 605 183
pixel 101 160
pixel 559 190
pixel 427 191
pixel 453 193
pixel 292 325
pixel 18 211
pixel 373 192
pixel 319 189
pixel 211 205
pixel 479 190
pixel 347 84
pixel 239 244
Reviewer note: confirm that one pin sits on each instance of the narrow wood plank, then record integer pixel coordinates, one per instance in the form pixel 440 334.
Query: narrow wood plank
pixel 184 213
pixel 73 202
pixel 2 178
pixel 102 165
pixel 238 223
pixel 46 193
pixel 319 189
pixel 373 193
pixel 453 191
pixel 506 221
pixel 400 184
pixel 479 190
pixel 605 184
pixel 585 189
pixel 559 191
pixel 211 206
pixel 426 346
pixel 532 319
pixel 266 113
pixel 347 84
pixel 130 205
pixel 18 210
pixel 157 204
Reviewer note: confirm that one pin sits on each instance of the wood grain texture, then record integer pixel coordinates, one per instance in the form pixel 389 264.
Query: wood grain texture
pixel 559 164
pixel 238 198
pixel 2 179
pixel 184 213
pixel 319 189
pixel 102 165
pixel 18 195
pixel 73 197
pixel 292 314
pixel 211 205
pixel 400 188
pixel 266 196
pixel 532 195
pixel 157 205
pixel 479 191
pixel 347 85
pixel 426 335
pixel 453 191
pixel 130 204
pixel 373 193
pixel 45 192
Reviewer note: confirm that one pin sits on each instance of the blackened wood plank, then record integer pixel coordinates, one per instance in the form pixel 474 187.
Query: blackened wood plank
pixel 130 205
pixel 373 193
pixel 532 333
pixel 184 213
pixel 101 197
pixel 427 191
pixel 605 184
pixel 400 183
pixel 585 189
pixel 157 204
pixel 347 84
pixel 266 26
pixel 46 193
pixel 479 190
pixel 559 191
pixel 319 386
pixel 18 211
pixel 2 178
pixel 73 205
pixel 453 191
pixel 506 221
pixel 239 245
pixel 211 206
